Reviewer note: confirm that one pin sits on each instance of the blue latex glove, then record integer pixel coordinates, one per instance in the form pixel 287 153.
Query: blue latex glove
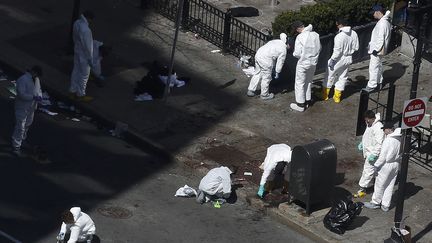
pixel 261 191
pixel 360 146
pixel 331 64
pixel 37 98
pixel 276 76
pixel 372 158
pixel 375 53
pixel 61 236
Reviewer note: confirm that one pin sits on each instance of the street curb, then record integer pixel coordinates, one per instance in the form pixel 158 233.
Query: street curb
pixel 130 135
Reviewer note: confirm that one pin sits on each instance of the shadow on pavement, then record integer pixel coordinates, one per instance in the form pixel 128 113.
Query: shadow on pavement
pixel 85 170
pixel 87 167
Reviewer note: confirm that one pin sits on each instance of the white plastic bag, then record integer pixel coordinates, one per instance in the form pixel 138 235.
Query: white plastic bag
pixel 186 191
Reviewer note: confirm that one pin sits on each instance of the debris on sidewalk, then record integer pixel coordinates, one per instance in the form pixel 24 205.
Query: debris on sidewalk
pixel 143 97
pixel 45 99
pixel 250 71
pixel 186 191
pixel 119 129
pixel 247 173
pixel 46 111
pixel 75 119
pixel 215 51
pixel 243 61
pixel 12 89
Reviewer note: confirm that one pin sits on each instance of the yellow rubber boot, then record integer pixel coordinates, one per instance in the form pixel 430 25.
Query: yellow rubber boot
pixel 337 96
pixel 324 93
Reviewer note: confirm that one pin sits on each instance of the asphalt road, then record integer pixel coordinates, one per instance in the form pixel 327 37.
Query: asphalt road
pixel 128 192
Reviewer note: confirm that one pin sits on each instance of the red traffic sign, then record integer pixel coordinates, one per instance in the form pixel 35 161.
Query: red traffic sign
pixel 413 112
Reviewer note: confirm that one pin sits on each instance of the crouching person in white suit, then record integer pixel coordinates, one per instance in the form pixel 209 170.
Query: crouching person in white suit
pixel 216 184
pixel 80 226
pixel 275 163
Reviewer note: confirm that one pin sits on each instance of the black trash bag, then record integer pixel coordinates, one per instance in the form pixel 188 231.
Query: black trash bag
pixel 341 215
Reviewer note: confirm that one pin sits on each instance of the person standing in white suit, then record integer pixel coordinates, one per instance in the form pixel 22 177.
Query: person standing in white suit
pixel 268 57
pixel 387 167
pixel 83 56
pixel 28 89
pixel 378 46
pixel 345 44
pixel 307 49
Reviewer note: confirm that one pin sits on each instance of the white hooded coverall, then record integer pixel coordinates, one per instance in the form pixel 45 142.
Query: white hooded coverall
pixel 217 182
pixel 387 166
pixel 275 154
pixel 81 229
pixel 345 44
pixel 83 56
pixel 25 106
pixel 307 48
pixel 270 55
pixel 379 42
pixel 372 140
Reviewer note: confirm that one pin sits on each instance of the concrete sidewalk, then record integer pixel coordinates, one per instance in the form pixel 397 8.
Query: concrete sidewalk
pixel 210 121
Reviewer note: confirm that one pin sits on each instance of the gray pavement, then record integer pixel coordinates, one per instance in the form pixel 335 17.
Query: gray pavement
pixel 128 192
pixel 212 112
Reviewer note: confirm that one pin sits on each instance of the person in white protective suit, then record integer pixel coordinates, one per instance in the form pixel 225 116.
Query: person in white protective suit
pixel 387 167
pixel 306 48
pixel 80 226
pixel 378 45
pixel 268 57
pixel 29 93
pixel 370 146
pixel 216 184
pixel 345 44
pixel 83 56
pixel 275 163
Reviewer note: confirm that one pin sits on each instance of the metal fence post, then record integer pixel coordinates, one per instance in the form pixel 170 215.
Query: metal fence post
pixel 390 102
pixel 363 107
pixel 185 15
pixel 226 32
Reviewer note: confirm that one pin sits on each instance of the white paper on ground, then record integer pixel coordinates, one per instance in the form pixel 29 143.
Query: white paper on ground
pixel 45 110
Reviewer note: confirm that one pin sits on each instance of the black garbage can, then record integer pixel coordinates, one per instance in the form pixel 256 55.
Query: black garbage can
pixel 313 172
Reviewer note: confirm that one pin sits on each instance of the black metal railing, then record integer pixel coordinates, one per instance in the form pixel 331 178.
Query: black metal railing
pixel 381 102
pixel 212 24
pixel 238 38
